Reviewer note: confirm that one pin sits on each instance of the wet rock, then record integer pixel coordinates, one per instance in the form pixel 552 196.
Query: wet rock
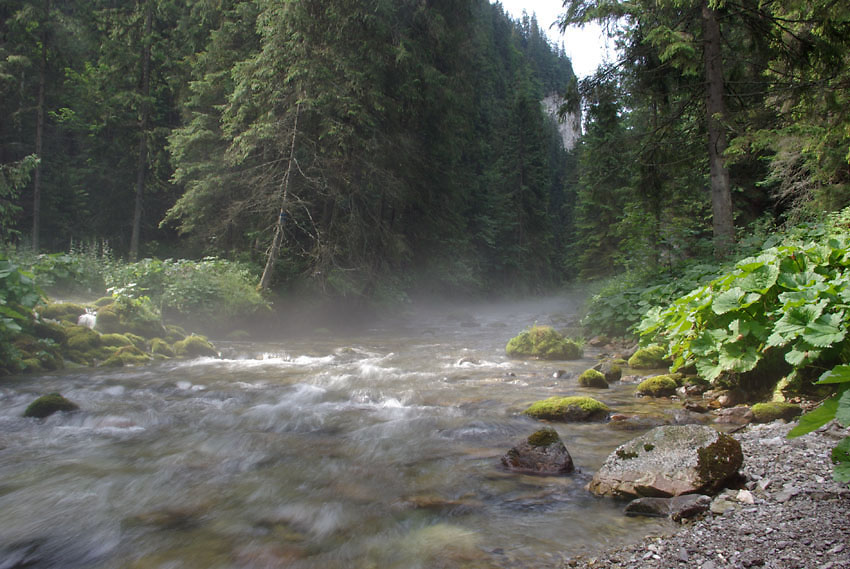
pixel 650 357
pixel 669 461
pixel 573 408
pixel 47 405
pixel 740 415
pixel 611 369
pixel 592 378
pixel 541 453
pixel 658 386
pixel 774 410
pixel 678 508
pixel 194 346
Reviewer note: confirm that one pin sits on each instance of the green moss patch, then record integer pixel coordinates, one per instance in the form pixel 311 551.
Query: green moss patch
pixel 194 346
pixel 160 347
pixel 46 405
pixel 62 311
pixel 573 408
pixel 115 340
pixel 658 386
pixel 774 410
pixel 543 342
pixel 544 438
pixel 650 357
pixel 593 378
pixel 82 339
pixel 128 355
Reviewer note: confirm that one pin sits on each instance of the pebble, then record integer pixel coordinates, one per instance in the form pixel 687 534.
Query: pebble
pixel 792 514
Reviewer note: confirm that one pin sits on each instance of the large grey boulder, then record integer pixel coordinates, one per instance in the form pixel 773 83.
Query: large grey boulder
pixel 541 453
pixel 669 461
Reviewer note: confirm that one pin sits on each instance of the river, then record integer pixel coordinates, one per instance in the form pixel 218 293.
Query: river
pixel 375 449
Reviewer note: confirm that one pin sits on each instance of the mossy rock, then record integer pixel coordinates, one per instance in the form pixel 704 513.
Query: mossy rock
pixel 160 347
pixel 46 405
pixel 128 355
pixel 103 301
pixel 543 342
pixel 82 339
pixel 593 378
pixel 575 408
pixel 51 331
pixel 774 410
pixel 137 340
pixel 108 321
pixel 193 347
pixel 658 386
pixel 137 316
pixel 650 357
pixel 544 437
pixel 32 365
pixel 174 333
pixel 115 340
pixel 238 335
pixel 62 311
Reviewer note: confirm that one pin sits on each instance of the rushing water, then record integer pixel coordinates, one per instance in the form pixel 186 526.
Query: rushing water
pixel 375 450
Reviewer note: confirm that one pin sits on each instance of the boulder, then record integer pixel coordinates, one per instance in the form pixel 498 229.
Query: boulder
pixel 658 386
pixel 650 357
pixel 193 347
pixel 677 507
pixel 568 409
pixel 773 410
pixel 544 343
pixel 669 461
pixel 612 369
pixel 541 453
pixel 740 415
pixel 593 378
pixel 47 405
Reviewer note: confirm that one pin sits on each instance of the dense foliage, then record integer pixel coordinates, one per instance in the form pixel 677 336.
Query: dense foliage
pixel 18 296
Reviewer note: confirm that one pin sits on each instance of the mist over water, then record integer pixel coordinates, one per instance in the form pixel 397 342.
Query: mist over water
pixel 376 448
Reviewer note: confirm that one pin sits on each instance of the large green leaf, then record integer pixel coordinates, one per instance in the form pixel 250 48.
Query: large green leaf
pixel 841 459
pixel 759 279
pixel 816 418
pixel 842 414
pixel 838 374
pixel 794 323
pixel 825 331
pixel 727 301
pixel 738 358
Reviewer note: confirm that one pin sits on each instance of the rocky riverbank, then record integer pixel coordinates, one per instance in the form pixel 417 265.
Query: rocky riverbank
pixel 788 513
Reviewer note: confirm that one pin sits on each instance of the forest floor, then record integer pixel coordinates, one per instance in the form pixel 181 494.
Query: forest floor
pixel 798 518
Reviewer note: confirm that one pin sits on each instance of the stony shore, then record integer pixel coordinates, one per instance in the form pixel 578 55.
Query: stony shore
pixel 788 513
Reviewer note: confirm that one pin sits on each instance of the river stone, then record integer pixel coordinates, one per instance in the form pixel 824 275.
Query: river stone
pixel 541 453
pixel 669 461
pixel 677 507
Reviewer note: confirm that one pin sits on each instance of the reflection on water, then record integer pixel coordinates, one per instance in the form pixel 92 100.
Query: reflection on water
pixel 376 450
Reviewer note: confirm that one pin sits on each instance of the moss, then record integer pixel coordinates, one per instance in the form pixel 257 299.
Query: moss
pixel 593 378
pixel 103 301
pixel 194 346
pixel 115 340
pixel 719 458
pixel 62 311
pixel 625 455
pixel 544 438
pixel 174 333
pixel 160 347
pixel 771 411
pixel 82 339
pixel 128 355
pixel 543 342
pixel 650 357
pixel 137 316
pixel 32 365
pixel 658 386
pixel 108 321
pixel 137 340
pixel 46 405
pixel 568 409
pixel 237 335
pixel 51 331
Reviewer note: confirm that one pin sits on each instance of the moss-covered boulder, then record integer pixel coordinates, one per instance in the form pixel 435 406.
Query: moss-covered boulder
pixel 543 342
pixel 650 357
pixel 82 339
pixel 543 452
pixel 115 340
pixel 774 410
pixel 51 331
pixel 593 378
pixel 126 356
pixel 669 461
pixel 193 347
pixel 174 333
pixel 573 408
pixel 62 311
pixel 160 347
pixel 658 386
pixel 134 315
pixel 46 405
pixel 612 369
pixel 103 301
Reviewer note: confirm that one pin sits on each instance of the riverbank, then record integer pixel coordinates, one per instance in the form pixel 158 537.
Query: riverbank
pixel 798 517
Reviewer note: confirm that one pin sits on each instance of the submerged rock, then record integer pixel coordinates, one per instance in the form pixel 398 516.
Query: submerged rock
pixel 678 507
pixel 541 453
pixel 573 408
pixel 194 346
pixel 47 405
pixel 669 461
pixel 612 369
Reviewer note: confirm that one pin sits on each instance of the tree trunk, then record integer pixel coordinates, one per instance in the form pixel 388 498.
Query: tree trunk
pixel 277 241
pixel 143 128
pixel 721 194
pixel 39 133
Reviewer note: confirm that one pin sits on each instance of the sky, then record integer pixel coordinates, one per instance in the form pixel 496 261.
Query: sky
pixel 586 47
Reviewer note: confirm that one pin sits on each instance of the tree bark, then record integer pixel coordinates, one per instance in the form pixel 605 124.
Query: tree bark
pixel 721 194
pixel 277 241
pixel 143 128
pixel 39 132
